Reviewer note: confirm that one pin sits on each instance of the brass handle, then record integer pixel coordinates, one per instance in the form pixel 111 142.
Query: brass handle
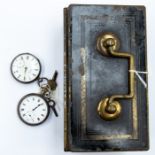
pixel 109 108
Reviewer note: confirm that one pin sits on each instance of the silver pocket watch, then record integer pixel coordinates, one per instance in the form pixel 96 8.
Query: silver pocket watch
pixel 25 68
pixel 34 108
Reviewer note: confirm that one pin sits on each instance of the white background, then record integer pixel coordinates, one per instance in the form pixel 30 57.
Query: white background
pixel 36 26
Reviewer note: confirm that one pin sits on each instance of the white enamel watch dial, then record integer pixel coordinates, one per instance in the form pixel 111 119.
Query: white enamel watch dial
pixel 25 68
pixel 33 109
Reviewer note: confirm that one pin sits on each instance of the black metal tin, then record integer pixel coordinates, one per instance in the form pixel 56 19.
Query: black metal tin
pixel 84 129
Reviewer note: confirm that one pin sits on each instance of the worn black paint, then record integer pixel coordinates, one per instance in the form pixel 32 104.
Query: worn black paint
pixel 106 76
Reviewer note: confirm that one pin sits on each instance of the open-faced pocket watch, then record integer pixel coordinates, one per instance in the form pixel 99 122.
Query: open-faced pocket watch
pixel 25 68
pixel 34 108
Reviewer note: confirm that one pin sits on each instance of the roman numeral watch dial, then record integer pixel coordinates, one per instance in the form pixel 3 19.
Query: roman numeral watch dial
pixel 25 68
pixel 33 109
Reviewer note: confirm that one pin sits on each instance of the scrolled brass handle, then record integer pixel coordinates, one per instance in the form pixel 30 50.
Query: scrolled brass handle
pixel 110 108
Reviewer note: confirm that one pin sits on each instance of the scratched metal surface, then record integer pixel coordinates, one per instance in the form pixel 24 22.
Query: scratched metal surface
pixel 105 76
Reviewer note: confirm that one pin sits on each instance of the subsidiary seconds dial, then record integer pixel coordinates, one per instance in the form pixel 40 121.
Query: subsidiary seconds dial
pixel 33 109
pixel 25 68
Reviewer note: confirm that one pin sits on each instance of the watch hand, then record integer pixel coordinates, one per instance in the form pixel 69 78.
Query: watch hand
pixel 25 71
pixel 37 107
pixel 25 66
pixel 26 113
pixel 31 118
